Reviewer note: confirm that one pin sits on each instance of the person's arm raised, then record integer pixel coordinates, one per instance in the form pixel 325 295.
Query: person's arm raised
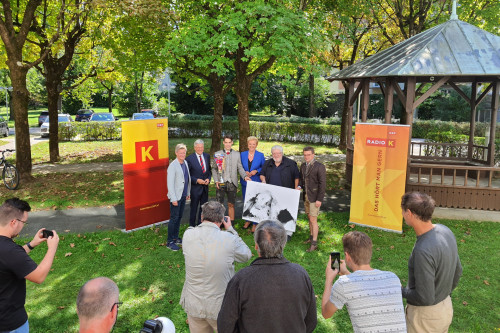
pixel 41 272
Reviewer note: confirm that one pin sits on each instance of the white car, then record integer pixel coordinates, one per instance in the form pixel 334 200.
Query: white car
pixel 140 116
pixel 61 118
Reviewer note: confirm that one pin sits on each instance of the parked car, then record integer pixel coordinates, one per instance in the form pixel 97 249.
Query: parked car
pixel 102 116
pixel 44 115
pixel 84 114
pixel 61 119
pixel 153 112
pixel 4 126
pixel 143 115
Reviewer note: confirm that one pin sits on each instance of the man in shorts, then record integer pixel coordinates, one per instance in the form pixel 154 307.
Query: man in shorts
pixel 313 181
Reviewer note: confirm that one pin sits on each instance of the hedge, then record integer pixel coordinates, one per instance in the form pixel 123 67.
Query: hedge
pixel 91 131
pixel 277 131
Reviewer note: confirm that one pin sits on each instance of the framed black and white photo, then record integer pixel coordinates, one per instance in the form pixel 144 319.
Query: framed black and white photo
pixel 271 202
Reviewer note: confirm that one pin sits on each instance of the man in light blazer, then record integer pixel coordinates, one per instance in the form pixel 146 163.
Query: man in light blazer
pixel 200 172
pixel 232 166
pixel 179 188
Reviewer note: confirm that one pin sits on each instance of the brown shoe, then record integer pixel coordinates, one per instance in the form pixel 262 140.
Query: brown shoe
pixel 308 241
pixel 314 246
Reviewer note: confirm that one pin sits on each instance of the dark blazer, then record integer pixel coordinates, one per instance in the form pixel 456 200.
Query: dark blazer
pixel 196 173
pixel 316 181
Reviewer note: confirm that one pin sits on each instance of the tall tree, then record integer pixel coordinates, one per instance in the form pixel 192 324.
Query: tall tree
pixel 17 19
pixel 230 43
pixel 74 16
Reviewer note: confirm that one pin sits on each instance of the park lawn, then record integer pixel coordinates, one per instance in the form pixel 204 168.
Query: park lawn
pixel 150 277
pixel 111 151
pixel 70 190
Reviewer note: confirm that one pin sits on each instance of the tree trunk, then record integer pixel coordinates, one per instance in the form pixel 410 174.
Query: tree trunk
pixel 345 122
pixel 312 109
pixel 110 99
pixel 20 98
pixel 217 122
pixel 242 90
pixel 53 93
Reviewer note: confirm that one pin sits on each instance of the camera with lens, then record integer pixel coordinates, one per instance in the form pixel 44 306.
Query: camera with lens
pixel 158 325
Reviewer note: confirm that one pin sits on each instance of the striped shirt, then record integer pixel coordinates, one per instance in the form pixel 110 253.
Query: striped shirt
pixel 373 299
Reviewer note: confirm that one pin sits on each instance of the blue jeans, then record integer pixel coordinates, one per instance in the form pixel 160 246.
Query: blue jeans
pixel 24 328
pixel 175 219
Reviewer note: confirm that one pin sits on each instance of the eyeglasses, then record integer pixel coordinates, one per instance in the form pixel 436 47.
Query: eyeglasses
pixel 117 306
pixel 25 222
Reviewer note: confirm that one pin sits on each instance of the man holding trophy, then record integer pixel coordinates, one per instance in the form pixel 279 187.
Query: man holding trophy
pixel 225 172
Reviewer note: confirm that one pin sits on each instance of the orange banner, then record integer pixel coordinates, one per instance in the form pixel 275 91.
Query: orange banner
pixel 145 162
pixel 379 175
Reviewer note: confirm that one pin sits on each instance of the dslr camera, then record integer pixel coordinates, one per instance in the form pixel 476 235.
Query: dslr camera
pixel 158 325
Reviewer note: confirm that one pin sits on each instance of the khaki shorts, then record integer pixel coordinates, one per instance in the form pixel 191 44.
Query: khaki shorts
pixel 434 318
pixel 202 325
pixel 311 208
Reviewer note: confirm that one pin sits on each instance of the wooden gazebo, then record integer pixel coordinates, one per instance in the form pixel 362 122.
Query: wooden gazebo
pixel 455 52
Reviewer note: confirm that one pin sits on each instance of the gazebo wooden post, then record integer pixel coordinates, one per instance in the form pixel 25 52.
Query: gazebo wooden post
pixel 366 99
pixel 409 101
pixel 493 122
pixel 473 106
pixel 349 116
pixel 388 100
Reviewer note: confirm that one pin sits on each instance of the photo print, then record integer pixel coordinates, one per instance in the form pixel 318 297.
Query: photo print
pixel 270 202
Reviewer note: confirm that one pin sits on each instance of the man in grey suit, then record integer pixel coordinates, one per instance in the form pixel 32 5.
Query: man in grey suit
pixel 230 169
pixel 179 187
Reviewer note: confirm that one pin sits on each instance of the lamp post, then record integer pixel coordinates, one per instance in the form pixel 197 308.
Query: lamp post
pixel 169 86
pixel 7 100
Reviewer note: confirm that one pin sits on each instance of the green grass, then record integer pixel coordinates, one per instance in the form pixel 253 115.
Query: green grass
pixel 3 142
pixel 70 190
pixel 150 277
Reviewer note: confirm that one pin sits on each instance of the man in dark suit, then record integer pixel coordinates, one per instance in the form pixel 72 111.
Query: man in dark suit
pixel 200 171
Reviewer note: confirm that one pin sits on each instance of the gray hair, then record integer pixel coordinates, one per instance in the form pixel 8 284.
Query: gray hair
pixel 270 237
pixel 96 298
pixel 212 211
pixel 199 142
pixel 277 147
pixel 180 146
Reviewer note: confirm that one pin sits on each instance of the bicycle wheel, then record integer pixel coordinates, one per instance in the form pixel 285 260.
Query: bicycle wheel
pixel 10 176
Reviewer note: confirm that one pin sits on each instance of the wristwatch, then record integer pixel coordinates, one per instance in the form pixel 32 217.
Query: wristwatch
pixel 29 246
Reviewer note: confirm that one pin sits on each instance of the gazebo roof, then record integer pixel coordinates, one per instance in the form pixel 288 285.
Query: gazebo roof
pixel 452 48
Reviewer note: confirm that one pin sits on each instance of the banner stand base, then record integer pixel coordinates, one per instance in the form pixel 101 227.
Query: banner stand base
pixel 144 227
pixel 374 227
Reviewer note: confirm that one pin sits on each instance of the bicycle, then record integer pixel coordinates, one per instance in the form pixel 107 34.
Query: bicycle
pixel 10 176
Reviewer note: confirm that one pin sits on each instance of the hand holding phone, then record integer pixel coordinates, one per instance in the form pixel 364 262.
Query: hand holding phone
pixel 47 233
pixel 335 260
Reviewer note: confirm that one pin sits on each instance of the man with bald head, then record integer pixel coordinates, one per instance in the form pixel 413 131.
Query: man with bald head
pixel 97 305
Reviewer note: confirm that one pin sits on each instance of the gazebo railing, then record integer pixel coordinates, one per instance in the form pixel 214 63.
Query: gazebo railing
pixel 454 175
pixel 448 151
pixel 457 186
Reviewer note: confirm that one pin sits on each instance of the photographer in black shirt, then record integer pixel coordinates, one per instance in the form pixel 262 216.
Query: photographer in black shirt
pixel 16 266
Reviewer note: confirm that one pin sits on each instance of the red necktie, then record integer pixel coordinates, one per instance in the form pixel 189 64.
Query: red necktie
pixel 202 165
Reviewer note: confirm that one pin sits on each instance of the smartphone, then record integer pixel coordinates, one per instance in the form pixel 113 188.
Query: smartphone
pixel 335 260
pixel 226 219
pixel 47 233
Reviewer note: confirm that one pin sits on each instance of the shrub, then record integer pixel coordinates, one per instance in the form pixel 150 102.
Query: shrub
pixel 279 131
pixel 90 131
